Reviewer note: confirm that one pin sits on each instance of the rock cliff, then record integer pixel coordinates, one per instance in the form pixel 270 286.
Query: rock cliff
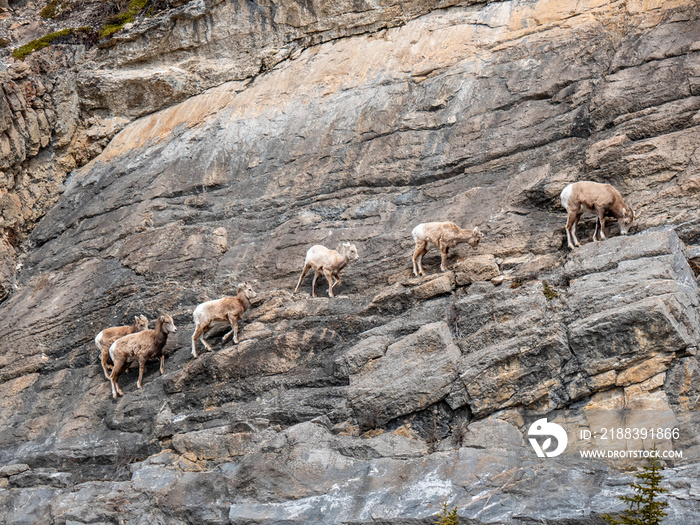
pixel 216 142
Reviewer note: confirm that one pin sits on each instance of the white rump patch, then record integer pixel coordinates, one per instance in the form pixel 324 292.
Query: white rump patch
pixel 418 231
pixel 566 195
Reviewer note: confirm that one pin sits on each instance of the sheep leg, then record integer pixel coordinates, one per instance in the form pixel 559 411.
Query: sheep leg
pixel 573 230
pixel 329 278
pixel 204 330
pixel 337 280
pixel 114 377
pixel 595 232
pixel 114 390
pixel 162 365
pixel 301 277
pixel 569 242
pixel 443 252
pixel 416 254
pixel 418 258
pixel 234 329
pixel 601 220
pixel 105 365
pixel 142 365
pixel 198 330
pixel 573 235
pixel 570 223
pixel 204 342
pixel 313 283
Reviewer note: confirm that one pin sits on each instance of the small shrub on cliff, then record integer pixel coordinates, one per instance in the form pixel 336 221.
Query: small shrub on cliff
pixel 53 9
pixel 643 507
pixel 115 22
pixel 549 292
pixel 447 516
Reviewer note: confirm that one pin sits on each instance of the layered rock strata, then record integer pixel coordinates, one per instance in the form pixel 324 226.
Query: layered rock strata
pixel 403 392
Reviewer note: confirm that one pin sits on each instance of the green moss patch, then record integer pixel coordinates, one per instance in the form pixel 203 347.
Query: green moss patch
pixel 45 41
pixel 39 43
pixel 128 11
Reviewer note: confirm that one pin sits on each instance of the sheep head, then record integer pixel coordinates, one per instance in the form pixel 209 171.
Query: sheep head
pixel 476 237
pixel 141 322
pixel 349 250
pixel 247 290
pixel 167 324
pixel 628 216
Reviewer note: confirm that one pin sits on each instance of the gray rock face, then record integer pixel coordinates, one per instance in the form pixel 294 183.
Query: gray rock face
pixel 411 374
pixel 152 65
pixel 401 393
pixel 27 119
pixel 43 136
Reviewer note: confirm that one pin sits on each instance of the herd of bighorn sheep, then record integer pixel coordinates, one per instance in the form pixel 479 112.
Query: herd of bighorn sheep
pixel 124 345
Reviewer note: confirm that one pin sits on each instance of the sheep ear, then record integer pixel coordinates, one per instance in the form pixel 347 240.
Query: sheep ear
pixel 476 230
pixel 624 212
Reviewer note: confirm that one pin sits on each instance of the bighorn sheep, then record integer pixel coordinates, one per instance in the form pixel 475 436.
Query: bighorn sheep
pixel 107 336
pixel 445 235
pixel 140 347
pixel 330 262
pixel 226 310
pixel 594 197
